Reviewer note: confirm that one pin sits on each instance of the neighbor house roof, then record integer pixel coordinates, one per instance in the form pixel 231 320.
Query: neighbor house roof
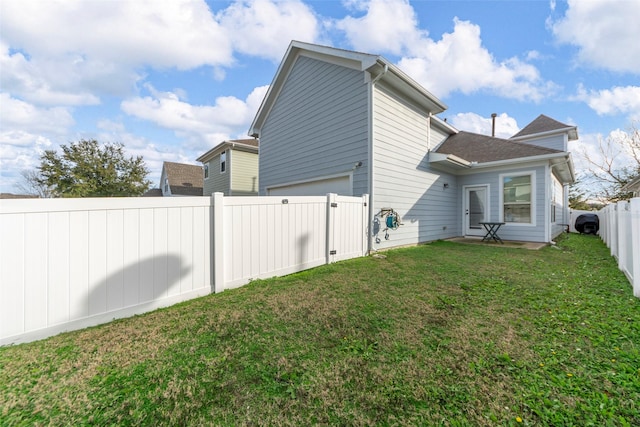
pixel 378 67
pixel 250 144
pixel 152 192
pixel 543 125
pixel 184 180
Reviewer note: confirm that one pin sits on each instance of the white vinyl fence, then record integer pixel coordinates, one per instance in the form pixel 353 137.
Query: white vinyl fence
pixel 620 230
pixel 66 264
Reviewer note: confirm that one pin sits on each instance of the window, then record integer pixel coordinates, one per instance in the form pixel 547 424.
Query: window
pixel 166 185
pixel 223 162
pixel 517 200
pixel 206 170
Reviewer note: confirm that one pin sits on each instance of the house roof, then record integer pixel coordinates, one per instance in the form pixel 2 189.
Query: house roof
pixel 249 144
pixel 378 67
pixel 184 180
pixel 544 125
pixel 152 192
pixel 467 150
pixel 478 148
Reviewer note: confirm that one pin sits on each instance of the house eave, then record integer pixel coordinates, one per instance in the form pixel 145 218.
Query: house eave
pixel 364 62
pixel 572 131
pixel 449 160
pixel 632 186
pixel 224 145
pixel 562 162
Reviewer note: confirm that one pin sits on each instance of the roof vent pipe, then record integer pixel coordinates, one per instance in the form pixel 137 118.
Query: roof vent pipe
pixel 493 124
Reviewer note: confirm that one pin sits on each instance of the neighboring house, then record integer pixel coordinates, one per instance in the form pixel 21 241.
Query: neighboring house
pixel 633 187
pixel 231 167
pixel 17 196
pixel 353 123
pixel 179 179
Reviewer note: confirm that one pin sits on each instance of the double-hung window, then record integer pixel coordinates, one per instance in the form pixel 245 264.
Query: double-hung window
pixel 223 162
pixel 518 192
pixel 206 170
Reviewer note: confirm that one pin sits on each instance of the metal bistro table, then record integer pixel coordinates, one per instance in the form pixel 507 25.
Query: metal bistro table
pixel 492 231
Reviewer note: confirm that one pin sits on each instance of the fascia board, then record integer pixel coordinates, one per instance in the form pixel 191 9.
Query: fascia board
pixel 534 136
pixel 227 145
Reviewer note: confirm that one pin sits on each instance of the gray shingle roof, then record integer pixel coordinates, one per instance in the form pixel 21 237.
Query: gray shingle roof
pixel 483 148
pixel 541 124
pixel 184 180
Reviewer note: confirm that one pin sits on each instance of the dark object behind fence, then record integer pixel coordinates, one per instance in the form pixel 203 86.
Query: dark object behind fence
pixel 588 224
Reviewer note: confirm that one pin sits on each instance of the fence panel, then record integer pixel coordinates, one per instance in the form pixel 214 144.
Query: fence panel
pixel 620 231
pixel 68 264
pixel 273 236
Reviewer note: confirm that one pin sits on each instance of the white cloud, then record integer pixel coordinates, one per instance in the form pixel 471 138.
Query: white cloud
pixel 605 32
pixel 388 26
pixel 19 115
pixel 618 100
pixel 459 62
pixel 204 124
pixel 178 33
pixel 264 28
pixel 71 53
pixel 506 126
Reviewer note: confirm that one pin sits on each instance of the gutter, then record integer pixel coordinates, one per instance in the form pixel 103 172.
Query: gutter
pixel 546 133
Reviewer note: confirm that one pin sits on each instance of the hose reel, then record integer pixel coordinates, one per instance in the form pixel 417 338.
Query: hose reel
pixel 391 220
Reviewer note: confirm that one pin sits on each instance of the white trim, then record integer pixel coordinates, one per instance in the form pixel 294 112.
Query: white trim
pixel 532 174
pixel 318 178
pixel 225 162
pixel 547 203
pixel 465 201
pixel 545 134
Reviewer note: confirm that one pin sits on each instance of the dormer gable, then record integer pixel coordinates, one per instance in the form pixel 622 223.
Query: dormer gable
pixel 547 132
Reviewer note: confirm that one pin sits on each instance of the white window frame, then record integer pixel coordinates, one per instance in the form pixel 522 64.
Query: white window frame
pixel 206 170
pixel 532 175
pixel 223 162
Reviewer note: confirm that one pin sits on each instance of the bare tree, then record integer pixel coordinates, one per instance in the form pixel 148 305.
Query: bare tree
pixel 32 184
pixel 617 163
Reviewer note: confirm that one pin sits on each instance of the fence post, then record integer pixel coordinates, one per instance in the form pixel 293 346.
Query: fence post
pixel 365 224
pixel 634 235
pixel 217 236
pixel 622 234
pixel 331 201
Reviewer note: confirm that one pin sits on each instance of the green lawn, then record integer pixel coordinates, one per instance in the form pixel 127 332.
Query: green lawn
pixel 440 334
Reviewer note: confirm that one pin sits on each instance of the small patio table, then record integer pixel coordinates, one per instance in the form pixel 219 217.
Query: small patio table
pixel 492 231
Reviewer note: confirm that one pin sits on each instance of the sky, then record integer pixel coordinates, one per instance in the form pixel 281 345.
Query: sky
pixel 172 79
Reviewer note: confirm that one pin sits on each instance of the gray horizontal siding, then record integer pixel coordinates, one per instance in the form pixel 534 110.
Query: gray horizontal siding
pixel 217 182
pixel 317 127
pixel 556 142
pixel 511 231
pixel 403 180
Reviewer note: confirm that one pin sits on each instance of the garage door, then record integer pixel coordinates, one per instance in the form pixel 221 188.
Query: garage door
pixel 339 185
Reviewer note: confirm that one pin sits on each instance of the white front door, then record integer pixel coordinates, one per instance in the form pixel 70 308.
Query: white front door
pixel 475 210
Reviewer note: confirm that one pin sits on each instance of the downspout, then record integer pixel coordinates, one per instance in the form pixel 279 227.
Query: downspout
pixel 429 132
pixel 371 93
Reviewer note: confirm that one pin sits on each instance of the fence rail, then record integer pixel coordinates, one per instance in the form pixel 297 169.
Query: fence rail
pixel 620 230
pixel 71 263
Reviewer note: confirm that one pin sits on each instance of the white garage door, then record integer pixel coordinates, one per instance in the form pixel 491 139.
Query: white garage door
pixel 339 185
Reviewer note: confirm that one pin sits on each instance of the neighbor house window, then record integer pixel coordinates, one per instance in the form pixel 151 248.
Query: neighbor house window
pixel 166 185
pixel 223 162
pixel 517 198
pixel 206 170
